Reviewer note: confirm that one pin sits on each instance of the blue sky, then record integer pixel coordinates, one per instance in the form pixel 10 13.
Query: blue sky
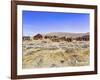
pixel 45 22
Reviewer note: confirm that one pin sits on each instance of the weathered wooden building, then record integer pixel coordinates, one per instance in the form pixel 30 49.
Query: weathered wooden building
pixel 83 38
pixel 26 37
pixel 37 37
pixel 86 38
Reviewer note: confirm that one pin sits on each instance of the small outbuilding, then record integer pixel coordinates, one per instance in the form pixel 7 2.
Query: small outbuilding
pixel 26 38
pixel 85 38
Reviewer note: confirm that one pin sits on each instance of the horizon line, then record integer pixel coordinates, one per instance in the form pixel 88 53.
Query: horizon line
pixel 57 32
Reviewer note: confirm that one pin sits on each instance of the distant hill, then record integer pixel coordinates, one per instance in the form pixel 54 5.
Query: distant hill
pixel 66 34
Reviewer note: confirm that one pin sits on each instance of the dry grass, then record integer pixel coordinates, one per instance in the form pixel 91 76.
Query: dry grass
pixel 45 53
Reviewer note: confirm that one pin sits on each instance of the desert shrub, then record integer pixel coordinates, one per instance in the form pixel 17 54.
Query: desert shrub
pixel 70 50
pixel 52 48
pixel 29 47
pixel 29 53
pixel 86 52
pixel 31 44
pixel 84 45
pixel 72 61
pixel 53 65
pixel 63 48
pixel 44 41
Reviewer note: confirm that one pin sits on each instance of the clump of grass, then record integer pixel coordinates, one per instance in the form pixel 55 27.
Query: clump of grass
pixel 86 52
pixel 70 50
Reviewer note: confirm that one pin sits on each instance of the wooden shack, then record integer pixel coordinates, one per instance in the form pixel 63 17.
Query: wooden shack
pixel 26 38
pixel 85 38
pixel 37 37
